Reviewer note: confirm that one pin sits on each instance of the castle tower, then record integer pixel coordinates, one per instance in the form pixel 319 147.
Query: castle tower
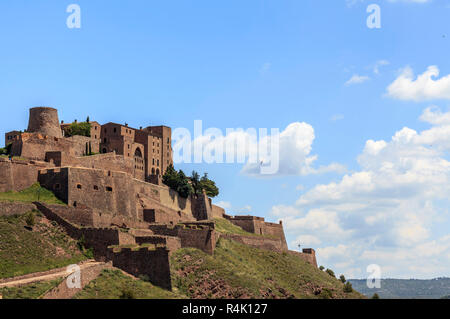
pixel 44 120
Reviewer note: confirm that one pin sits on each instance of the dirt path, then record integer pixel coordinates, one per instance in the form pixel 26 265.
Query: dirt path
pixel 44 276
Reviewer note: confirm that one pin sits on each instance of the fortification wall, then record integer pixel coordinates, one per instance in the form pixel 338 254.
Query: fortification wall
pixel 35 145
pixel 13 208
pixel 217 211
pixel 171 243
pixel 258 242
pixel 199 235
pixel 97 238
pixel 257 225
pixel 16 175
pixel 56 180
pixel 153 262
pixel 308 255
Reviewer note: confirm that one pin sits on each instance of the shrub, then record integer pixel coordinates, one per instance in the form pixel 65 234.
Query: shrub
pixel 348 287
pixel 322 268
pixel 144 278
pixel 82 128
pixel 342 278
pixel 375 296
pixel 330 272
pixel 30 219
pixel 326 294
pixel 127 293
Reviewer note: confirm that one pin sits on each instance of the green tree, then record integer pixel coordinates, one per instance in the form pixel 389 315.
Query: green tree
pixel 87 119
pixel 375 296
pixel 209 186
pixel 170 177
pixel 330 272
pixel 195 182
pixel 348 287
pixel 83 129
pixel 342 278
pixel 6 150
pixel 184 188
pixel 322 268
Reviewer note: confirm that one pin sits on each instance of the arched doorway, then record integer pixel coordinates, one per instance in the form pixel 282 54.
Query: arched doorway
pixel 138 153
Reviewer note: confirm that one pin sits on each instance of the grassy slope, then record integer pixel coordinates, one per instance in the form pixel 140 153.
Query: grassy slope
pixel 239 271
pixel 111 284
pixel 30 291
pixel 23 251
pixel 31 194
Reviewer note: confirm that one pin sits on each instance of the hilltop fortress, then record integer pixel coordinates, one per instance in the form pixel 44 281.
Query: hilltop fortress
pixel 112 184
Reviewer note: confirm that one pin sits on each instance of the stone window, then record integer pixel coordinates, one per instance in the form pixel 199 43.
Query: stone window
pixel 79 186
pixel 115 130
pixel 108 189
pixel 104 140
pixel 96 187
pixel 157 162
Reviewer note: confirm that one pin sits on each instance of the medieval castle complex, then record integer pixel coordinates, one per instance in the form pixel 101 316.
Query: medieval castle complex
pixel 112 184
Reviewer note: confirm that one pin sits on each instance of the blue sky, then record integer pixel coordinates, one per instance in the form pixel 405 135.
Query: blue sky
pixel 269 64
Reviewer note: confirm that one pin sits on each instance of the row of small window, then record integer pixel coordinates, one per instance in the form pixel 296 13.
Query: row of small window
pixel 107 188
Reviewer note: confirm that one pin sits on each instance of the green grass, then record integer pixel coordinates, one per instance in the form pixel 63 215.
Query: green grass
pixel 33 193
pixel 112 283
pixel 30 291
pixel 23 251
pixel 240 271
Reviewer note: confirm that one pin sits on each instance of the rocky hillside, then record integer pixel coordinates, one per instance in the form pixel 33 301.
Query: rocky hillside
pixel 239 271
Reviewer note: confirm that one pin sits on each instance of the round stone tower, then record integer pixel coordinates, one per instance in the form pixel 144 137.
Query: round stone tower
pixel 44 120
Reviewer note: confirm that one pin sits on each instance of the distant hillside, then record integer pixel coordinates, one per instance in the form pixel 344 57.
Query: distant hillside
pixel 406 288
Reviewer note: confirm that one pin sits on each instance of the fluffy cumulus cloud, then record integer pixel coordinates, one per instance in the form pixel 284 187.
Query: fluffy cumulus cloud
pixel 426 86
pixel 390 212
pixel 295 145
pixel 291 156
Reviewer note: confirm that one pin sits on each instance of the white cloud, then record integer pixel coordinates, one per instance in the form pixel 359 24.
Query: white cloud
pixel 378 64
pixel 357 79
pixel 388 211
pixel 425 87
pixel 224 204
pixel 294 154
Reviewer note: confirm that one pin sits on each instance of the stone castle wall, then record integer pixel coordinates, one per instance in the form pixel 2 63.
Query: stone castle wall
pixel 308 255
pixel 265 243
pixel 16 175
pixel 15 208
pixel 150 261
